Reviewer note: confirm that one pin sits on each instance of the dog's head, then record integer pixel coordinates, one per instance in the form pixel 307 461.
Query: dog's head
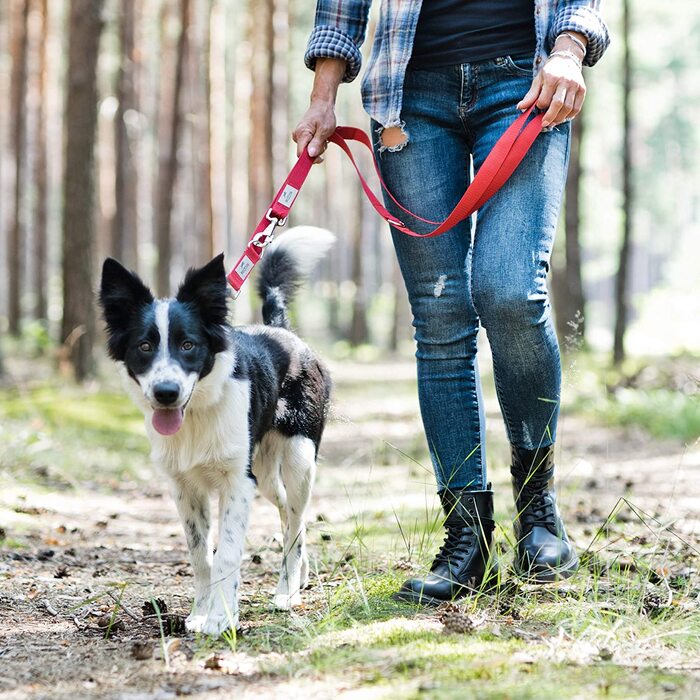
pixel 166 345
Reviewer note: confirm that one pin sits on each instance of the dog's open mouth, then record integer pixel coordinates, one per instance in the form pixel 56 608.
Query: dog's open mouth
pixel 167 421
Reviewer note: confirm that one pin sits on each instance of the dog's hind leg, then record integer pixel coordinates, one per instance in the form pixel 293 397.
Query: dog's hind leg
pixel 266 467
pixel 298 469
pixel 193 508
pixel 234 510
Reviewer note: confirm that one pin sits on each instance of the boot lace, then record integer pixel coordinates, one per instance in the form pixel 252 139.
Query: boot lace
pixel 538 509
pixel 459 542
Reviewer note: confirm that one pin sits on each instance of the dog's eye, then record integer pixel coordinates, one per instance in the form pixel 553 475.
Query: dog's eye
pixel 187 345
pixel 145 347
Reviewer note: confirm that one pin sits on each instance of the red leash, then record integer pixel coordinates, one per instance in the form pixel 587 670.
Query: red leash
pixel 499 165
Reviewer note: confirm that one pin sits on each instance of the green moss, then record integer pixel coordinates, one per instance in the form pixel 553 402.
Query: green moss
pixel 56 436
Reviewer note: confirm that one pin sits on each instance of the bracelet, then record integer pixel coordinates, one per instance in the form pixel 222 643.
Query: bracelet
pixel 576 41
pixel 566 53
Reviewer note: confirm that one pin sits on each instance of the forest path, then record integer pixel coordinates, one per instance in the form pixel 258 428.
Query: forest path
pixel 73 548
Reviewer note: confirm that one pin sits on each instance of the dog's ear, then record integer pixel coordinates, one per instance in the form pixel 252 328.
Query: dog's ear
pixel 122 296
pixel 205 288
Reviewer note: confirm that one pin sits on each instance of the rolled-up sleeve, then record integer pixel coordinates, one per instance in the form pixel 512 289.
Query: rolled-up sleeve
pixel 339 30
pixel 582 16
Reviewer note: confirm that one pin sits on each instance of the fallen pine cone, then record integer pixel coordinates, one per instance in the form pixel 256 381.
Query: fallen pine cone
pixel 149 607
pixel 456 623
pixel 142 650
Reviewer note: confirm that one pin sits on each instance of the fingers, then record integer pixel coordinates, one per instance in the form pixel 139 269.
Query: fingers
pixel 532 94
pixel 558 109
pixel 301 136
pixel 319 142
pixel 314 129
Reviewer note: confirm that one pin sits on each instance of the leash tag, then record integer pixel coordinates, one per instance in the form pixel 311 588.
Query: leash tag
pixel 289 194
pixel 245 265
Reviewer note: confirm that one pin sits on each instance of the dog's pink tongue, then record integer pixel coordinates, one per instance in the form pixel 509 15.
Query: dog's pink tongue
pixel 167 421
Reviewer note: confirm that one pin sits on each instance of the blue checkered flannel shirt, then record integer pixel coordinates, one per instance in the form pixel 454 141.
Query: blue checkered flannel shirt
pixel 340 26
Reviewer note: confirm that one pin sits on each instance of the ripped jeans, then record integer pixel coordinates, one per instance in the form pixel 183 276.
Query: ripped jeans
pixel 495 277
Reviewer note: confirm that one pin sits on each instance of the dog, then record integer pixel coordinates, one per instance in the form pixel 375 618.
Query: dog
pixel 226 408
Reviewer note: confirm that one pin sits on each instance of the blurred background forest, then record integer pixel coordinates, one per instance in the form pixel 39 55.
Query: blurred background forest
pixel 157 130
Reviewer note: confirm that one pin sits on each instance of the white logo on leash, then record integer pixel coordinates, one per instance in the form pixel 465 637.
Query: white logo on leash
pixel 288 195
pixel 245 265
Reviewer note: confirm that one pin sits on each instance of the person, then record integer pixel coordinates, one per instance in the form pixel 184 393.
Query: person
pixel 445 79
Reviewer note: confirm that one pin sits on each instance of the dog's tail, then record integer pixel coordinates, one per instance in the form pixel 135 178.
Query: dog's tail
pixel 287 260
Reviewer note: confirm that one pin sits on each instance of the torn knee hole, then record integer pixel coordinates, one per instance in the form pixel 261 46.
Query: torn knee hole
pixel 393 138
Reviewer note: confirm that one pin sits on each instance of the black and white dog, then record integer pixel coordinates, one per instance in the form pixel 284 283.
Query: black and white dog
pixel 226 407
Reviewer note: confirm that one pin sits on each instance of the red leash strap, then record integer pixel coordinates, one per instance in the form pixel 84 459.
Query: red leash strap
pixel 498 166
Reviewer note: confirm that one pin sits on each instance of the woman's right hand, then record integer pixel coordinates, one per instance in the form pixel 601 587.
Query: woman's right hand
pixel 317 125
pixel 315 128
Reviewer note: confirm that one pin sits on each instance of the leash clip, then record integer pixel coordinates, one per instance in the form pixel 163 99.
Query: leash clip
pixel 267 235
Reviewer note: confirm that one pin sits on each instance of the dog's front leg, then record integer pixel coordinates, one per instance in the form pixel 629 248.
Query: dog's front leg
pixel 234 510
pixel 193 508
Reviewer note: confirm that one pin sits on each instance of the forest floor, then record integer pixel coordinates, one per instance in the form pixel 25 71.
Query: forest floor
pixel 89 540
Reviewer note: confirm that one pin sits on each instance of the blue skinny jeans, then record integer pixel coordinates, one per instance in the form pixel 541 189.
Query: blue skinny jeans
pixel 494 276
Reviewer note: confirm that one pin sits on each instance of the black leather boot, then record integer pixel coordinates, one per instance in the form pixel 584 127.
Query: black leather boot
pixel 463 564
pixel 544 552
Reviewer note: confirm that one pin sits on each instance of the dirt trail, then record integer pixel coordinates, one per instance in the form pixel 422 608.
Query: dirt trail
pixel 72 546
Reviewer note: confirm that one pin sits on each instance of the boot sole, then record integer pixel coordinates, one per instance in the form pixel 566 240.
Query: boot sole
pixel 559 573
pixel 423 599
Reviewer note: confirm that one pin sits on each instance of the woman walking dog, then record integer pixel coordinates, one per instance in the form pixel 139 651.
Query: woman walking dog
pixel 444 81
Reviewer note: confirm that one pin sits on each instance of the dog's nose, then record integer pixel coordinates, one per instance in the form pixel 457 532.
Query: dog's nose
pixel 166 393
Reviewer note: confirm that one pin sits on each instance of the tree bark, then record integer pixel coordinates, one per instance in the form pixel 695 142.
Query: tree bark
pixel 41 168
pixel 260 153
pixel 15 253
pixel 621 282
pixel 168 164
pixel 207 224
pixel 78 327
pixel 359 332
pixel 567 279
pixel 124 244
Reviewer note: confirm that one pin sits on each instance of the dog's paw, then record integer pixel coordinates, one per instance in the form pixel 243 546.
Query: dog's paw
pixel 283 601
pixel 195 623
pixel 215 625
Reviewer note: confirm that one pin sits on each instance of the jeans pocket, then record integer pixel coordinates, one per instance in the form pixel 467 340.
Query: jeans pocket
pixel 519 65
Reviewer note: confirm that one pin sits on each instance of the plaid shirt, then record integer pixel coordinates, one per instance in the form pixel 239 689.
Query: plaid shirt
pixel 340 26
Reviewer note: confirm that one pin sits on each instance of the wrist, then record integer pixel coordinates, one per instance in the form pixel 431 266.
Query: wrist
pixel 322 98
pixel 567 54
pixel 329 74
pixel 571 41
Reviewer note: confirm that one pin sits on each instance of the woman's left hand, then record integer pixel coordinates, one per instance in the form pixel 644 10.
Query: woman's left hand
pixel 559 88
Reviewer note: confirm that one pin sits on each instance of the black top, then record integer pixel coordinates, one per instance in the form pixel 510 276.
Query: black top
pixel 463 31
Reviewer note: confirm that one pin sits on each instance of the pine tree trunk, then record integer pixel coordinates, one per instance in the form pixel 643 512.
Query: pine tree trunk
pixel 15 253
pixel 41 169
pixel 168 164
pixel 359 332
pixel 260 154
pixel 207 225
pixel 621 283
pixel 567 279
pixel 125 222
pixel 78 327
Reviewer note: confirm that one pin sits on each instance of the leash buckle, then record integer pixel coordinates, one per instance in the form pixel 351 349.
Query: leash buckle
pixel 267 235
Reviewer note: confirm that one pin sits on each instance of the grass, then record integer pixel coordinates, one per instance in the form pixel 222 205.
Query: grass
pixel 658 395
pixel 47 432
pixel 617 629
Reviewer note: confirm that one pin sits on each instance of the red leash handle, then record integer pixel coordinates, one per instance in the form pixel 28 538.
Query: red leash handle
pixel 498 166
